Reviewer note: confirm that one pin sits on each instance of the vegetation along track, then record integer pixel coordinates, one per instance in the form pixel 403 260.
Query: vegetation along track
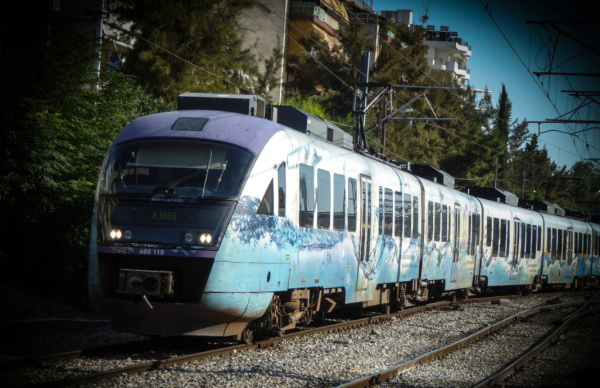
pixel 477 352
pixel 105 371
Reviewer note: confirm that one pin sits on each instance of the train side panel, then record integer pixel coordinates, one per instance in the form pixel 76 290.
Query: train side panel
pixel 448 233
pixel 559 263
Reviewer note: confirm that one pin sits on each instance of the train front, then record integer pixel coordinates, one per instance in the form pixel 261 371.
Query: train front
pixel 166 192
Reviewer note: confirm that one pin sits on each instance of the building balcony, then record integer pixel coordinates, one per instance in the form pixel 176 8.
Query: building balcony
pixel 303 10
pixel 362 5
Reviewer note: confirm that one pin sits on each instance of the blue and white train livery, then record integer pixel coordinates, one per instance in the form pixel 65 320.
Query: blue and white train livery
pixel 214 223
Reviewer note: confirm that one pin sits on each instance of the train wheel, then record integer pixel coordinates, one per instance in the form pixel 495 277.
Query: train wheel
pixel 247 336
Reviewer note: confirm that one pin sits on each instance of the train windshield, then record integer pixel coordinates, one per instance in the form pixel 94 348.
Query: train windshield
pixel 177 168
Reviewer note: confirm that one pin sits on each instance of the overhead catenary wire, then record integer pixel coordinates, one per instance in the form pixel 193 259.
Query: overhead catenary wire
pixel 531 75
pixel 422 115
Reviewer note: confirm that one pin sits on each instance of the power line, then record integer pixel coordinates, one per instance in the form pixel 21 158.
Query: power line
pixel 312 56
pixel 175 55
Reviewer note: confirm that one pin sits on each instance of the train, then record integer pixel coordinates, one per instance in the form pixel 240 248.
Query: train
pixel 217 221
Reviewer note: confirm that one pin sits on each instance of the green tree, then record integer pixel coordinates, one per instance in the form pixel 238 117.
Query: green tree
pixel 56 128
pixel 191 45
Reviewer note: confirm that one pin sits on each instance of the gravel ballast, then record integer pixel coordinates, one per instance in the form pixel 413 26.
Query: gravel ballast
pixel 311 361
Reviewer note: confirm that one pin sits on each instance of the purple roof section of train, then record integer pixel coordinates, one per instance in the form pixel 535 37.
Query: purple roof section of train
pixel 242 130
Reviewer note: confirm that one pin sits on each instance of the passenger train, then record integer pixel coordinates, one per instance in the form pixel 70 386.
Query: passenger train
pixel 213 223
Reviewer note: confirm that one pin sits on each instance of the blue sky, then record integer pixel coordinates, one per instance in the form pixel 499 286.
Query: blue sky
pixel 493 62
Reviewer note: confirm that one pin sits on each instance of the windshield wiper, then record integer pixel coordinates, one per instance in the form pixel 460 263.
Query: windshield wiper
pixel 207 170
pixel 165 189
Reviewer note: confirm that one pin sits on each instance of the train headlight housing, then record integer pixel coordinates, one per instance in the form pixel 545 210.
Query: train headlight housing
pixel 115 234
pixel 189 238
pixel 205 238
pixel 128 234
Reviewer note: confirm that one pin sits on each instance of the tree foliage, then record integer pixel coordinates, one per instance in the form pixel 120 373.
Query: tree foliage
pixel 192 46
pixel 56 128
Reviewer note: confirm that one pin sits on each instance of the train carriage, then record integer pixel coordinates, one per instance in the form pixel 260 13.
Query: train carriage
pixel 595 264
pixel 560 238
pixel 451 244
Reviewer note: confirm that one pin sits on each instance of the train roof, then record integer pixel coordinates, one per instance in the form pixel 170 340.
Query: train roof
pixel 238 129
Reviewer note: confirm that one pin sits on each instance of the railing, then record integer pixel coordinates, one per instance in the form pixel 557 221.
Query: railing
pixel 308 9
pixel 363 5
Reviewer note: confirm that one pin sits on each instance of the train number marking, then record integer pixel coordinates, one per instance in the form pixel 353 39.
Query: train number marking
pixel 148 251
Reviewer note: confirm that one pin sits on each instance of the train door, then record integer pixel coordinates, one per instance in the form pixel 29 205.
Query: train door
pixel 515 256
pixel 365 231
pixel 456 242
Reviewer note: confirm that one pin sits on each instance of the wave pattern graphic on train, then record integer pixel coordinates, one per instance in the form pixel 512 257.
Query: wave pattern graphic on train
pixel 217 223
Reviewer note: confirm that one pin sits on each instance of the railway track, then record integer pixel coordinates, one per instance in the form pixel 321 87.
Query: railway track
pixel 550 315
pixel 164 363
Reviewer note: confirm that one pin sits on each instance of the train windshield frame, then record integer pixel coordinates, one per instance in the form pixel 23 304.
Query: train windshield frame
pixel 178 168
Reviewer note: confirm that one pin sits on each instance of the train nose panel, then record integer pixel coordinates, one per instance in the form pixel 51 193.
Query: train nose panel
pixel 218 314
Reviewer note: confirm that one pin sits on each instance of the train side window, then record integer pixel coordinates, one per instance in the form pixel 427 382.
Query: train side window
pixel 488 242
pixel 534 238
pixel 549 240
pixel 570 244
pixel 585 244
pixel 576 242
pixel 496 237
pixel 523 240
pixel 580 248
pixel 469 219
pixel 516 244
pixel 502 238
pixel 352 205
pixel 388 212
pixel 323 199
pixel 407 211
pixel 554 241
pixel 307 196
pixel 528 248
pixel 565 243
pixel 266 205
pixel 281 184
pixel 339 202
pixel 430 221
pixel 444 223
pixel 438 222
pixel 478 228
pixel 559 245
pixel 399 213
pixel 475 236
pixel 380 211
pixel 415 229
pixel 507 237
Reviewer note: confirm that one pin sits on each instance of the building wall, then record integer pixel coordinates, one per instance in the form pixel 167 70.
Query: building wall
pixel 262 31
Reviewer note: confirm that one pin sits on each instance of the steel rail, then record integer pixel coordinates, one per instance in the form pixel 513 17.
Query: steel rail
pixel 378 378
pixel 36 360
pixel 567 322
pixel 338 327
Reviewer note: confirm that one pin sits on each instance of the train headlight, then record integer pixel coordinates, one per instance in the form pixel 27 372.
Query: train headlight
pixel 205 238
pixel 128 234
pixel 189 237
pixel 115 234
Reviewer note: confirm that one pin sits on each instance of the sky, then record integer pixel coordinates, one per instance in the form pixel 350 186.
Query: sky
pixel 494 63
